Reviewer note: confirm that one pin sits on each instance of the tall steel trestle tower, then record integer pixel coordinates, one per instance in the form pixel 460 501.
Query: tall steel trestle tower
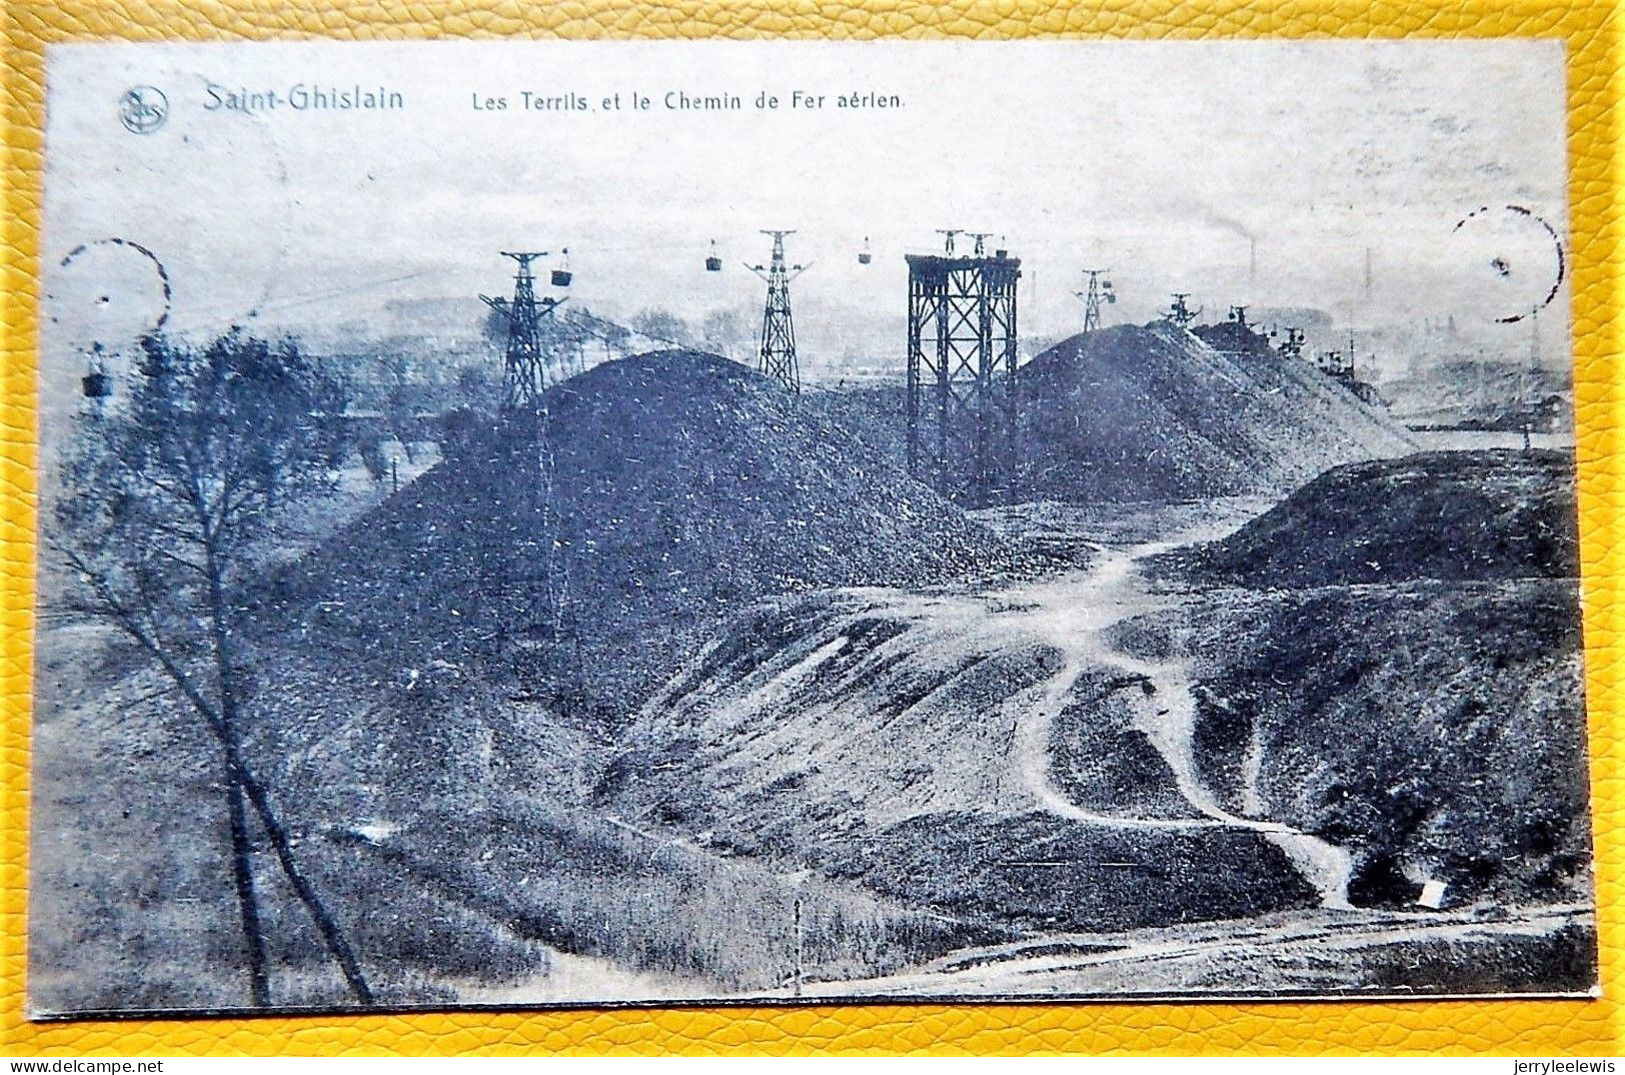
pixel 777 357
pixel 961 408
pixel 523 368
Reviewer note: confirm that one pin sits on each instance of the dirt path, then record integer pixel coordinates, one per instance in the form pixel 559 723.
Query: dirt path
pixel 1075 613
pixel 1278 950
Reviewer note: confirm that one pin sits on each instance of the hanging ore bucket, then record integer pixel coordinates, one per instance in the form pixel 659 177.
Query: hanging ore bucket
pixel 95 383
pixel 562 277
pixel 713 263
pixel 864 257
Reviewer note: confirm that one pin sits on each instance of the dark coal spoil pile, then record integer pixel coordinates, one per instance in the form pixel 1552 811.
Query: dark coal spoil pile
pixel 1394 664
pixel 1434 729
pixel 665 494
pixel 1233 338
pixel 1156 413
pixel 1493 514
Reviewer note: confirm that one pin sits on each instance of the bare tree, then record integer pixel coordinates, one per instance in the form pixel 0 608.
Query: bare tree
pixel 477 386
pixel 564 339
pixel 164 508
pixel 663 325
pixel 616 337
pixel 563 336
pixel 398 393
pixel 494 329
pixel 724 331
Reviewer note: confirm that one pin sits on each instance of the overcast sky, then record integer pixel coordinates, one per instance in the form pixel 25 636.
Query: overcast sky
pixel 1162 162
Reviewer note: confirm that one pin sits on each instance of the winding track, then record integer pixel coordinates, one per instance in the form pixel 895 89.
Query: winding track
pixel 1075 614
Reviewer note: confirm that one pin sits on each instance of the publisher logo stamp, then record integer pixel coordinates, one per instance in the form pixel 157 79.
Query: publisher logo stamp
pixel 143 109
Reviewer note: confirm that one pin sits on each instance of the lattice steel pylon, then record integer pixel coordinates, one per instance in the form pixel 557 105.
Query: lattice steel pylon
pixel 777 357
pixel 523 367
pixel 1098 290
pixel 961 406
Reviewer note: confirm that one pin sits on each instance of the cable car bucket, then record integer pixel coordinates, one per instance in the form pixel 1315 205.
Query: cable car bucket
pixel 96 384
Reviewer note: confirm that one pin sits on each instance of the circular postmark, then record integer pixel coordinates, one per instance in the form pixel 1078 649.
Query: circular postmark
pixel 1514 259
pixel 220 276
pixel 100 300
pixel 143 109
pixel 111 291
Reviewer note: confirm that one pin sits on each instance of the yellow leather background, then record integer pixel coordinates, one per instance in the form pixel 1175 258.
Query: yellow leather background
pixel 1522 1027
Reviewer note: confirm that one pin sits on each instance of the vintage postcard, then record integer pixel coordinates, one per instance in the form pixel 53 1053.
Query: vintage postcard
pixel 564 523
